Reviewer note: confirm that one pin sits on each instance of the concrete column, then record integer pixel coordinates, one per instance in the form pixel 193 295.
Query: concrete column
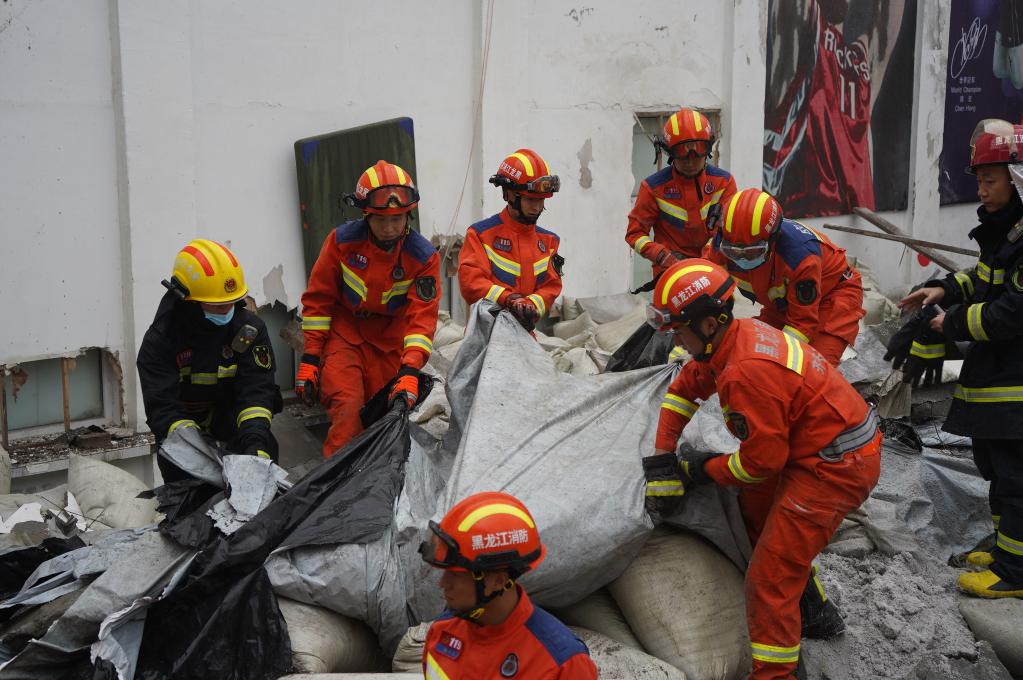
pixel 743 114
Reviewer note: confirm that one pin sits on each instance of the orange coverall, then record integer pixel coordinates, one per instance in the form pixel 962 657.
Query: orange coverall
pixel 676 208
pixel 502 256
pixel 530 643
pixel 365 313
pixel 806 287
pixel 790 409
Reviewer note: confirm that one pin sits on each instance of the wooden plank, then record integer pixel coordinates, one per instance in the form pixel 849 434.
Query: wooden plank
pixel 903 239
pixel 886 226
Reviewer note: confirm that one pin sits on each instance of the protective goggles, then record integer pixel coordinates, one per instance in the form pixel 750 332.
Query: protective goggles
pixel 548 184
pixel 661 319
pixel 692 147
pixel 745 252
pixel 454 559
pixel 387 196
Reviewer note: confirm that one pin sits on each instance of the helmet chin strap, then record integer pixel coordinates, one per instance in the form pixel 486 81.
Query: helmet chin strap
pixel 482 599
pixel 391 242
pixel 723 319
pixel 523 217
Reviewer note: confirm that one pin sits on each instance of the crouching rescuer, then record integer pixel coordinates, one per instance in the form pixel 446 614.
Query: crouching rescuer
pixel 490 628
pixel 370 310
pixel 206 361
pixel 808 454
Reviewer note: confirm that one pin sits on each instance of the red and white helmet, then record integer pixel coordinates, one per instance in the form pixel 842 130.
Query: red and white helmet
pixel 526 172
pixel 384 189
pixel 995 141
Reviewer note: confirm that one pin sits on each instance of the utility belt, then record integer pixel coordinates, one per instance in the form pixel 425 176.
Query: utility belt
pixel 851 439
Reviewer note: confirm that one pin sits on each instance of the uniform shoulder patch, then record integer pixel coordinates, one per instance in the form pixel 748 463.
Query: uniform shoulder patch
pixel 715 171
pixel 262 356
pixel 737 425
pixel 806 291
pixel 418 247
pixel 484 225
pixel 426 288
pixel 659 177
pixel 355 230
pixel 1015 232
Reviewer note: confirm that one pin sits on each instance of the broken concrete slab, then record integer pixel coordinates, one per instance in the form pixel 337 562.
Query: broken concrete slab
pixel 999 622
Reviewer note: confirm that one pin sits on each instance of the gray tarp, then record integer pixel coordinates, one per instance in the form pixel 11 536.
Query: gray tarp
pixel 569 447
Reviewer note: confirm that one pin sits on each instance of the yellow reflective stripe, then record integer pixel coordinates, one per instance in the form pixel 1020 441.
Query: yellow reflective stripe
pixel 401 174
pixel 316 323
pixel 678 404
pixel 794 358
pixel 672 209
pixel 540 266
pixel 715 197
pixel 677 354
pixel 491 510
pixel 674 123
pixel 758 210
pixel 203 379
pixel 1009 545
pixel 989 395
pixel 353 280
pixel 642 243
pixel 696 121
pixel 419 341
pixel 433 669
pixel 254 412
pixel 775 654
pixel 743 284
pixel 187 422
pixel 985 274
pixel 996 520
pixel 927 351
pixel 495 293
pixel 665 488
pixel 538 301
pixel 728 216
pixel 795 332
pixel 184 370
pixel 965 283
pixel 525 164
pixel 373 179
pixel 399 288
pixel 502 263
pixel 227 371
pixel 777 292
pixel 735 466
pixel 679 274
pixel 974 321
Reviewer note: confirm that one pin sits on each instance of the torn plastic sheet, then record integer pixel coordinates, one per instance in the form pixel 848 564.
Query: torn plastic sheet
pixel 253 483
pixel 569 447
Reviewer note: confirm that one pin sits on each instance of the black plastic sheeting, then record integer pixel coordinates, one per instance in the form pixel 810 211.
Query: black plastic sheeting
pixel 17 565
pixel 646 347
pixel 223 621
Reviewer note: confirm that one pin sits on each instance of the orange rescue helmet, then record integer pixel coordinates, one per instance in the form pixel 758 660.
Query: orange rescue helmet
pixel 526 172
pixel 384 189
pixel 690 291
pixel 690 130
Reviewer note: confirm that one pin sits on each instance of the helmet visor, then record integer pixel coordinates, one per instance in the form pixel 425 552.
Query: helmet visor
pixel 441 550
pixel 745 252
pixel 548 184
pixel 692 147
pixel 658 319
pixel 392 196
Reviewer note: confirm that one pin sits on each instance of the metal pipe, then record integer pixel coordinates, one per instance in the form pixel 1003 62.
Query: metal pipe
pixel 903 239
pixel 886 226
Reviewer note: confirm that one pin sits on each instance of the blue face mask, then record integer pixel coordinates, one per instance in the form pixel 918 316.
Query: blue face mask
pixel 746 265
pixel 219 319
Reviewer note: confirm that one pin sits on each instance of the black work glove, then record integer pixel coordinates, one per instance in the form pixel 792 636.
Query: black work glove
pixel 901 343
pixel 664 487
pixel 691 463
pixel 926 357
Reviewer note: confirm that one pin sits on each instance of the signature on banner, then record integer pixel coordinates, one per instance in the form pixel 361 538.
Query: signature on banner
pixel 969 46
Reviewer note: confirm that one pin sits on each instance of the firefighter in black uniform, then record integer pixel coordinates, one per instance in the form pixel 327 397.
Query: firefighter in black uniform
pixel 206 361
pixel 984 305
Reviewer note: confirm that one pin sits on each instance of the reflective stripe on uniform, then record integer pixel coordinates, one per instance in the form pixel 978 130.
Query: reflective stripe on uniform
pixel 743 284
pixel 494 294
pixel 419 342
pixel 795 332
pixel 987 275
pixel 974 321
pixel 989 394
pixel 399 288
pixel 965 284
pixel 212 378
pixel 794 357
pixel 775 654
pixel 714 199
pixel 677 353
pixel 777 292
pixel 187 422
pixel 1009 545
pixel 927 351
pixel 739 472
pixel 316 323
pixel 540 266
pixel 671 487
pixel 353 281
pixel 433 669
pixel 673 210
pixel 538 301
pixel 815 569
pixel 851 439
pixel 996 520
pixel 680 405
pixel 502 263
pixel 642 243
pixel 254 412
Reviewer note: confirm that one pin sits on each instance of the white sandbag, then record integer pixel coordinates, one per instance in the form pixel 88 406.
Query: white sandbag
pixel 108 493
pixel 615 662
pixel 1000 622
pixel 450 350
pixel 568 329
pixel 611 336
pixel 447 333
pixel 606 308
pixel 323 641
pixel 599 613
pixel 50 498
pixel 568 308
pixel 582 364
pixel 408 658
pixel 684 600
pixel 550 342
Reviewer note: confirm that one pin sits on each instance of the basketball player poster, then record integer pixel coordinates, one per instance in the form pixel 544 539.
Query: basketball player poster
pixel 838 104
pixel 984 80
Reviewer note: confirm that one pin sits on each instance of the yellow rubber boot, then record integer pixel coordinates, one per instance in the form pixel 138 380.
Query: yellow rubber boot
pixel 987 584
pixel 980 558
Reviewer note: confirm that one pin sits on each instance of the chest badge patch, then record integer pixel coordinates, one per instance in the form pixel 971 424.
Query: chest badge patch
pixel 450 646
pixel 226 352
pixel 510 665
pixel 358 261
pixel 504 244
pixel 672 192
pixel 184 358
pixel 541 247
pixel 261 355
pixel 708 188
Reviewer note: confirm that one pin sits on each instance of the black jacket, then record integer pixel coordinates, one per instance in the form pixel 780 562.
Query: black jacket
pixel 190 373
pixel 985 306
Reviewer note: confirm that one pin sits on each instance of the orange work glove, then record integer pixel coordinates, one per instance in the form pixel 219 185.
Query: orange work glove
pixel 406 388
pixel 307 379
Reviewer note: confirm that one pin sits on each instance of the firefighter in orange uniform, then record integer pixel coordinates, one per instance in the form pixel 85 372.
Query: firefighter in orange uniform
pixel 490 628
pixel 508 258
pixel 809 450
pixel 806 286
pixel 370 311
pixel 680 202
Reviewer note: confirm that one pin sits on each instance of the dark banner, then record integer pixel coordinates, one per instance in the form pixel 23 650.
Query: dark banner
pixel 838 104
pixel 984 80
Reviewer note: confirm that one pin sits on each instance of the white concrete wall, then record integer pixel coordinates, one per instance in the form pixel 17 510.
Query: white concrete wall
pixel 129 128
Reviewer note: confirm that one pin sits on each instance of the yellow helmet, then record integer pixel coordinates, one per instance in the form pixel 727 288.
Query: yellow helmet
pixel 209 272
